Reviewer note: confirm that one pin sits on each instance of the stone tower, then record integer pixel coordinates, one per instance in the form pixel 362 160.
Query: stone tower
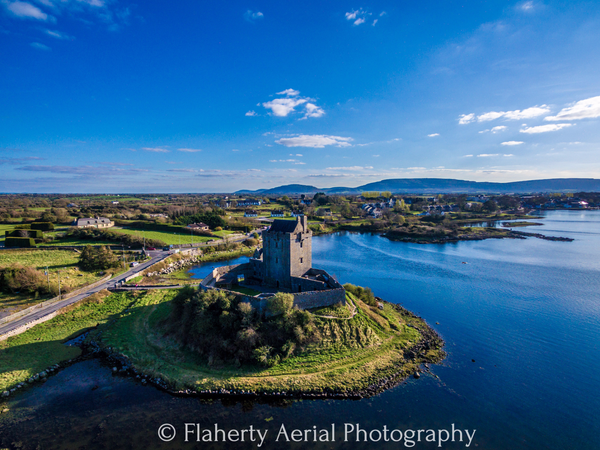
pixel 287 251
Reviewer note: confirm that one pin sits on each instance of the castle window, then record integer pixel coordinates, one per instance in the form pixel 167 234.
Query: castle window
pixel 301 244
pixel 276 260
pixel 301 260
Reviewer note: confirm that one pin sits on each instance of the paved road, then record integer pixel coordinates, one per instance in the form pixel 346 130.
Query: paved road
pixel 156 256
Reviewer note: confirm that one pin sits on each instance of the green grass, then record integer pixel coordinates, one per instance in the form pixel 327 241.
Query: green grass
pixel 245 290
pixel 168 238
pixel 42 346
pixel 64 260
pixel 353 354
pixel 70 240
pixel 223 233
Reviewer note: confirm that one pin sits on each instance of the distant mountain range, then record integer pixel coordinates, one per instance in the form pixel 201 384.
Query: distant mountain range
pixel 443 185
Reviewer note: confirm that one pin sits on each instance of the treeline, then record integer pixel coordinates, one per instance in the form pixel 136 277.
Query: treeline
pixel 212 219
pixel 99 234
pixel 224 330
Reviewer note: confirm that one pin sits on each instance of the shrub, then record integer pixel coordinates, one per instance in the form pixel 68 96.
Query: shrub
pixel 250 242
pixel 18 278
pixel 364 294
pixel 19 242
pixel 37 234
pixel 43 226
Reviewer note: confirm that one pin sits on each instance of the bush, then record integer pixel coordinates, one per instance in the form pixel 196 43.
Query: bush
pixel 219 229
pixel 18 278
pixel 250 242
pixel 19 242
pixel 364 294
pixel 42 226
pixel 37 234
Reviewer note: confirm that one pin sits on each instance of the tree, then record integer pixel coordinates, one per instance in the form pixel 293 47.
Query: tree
pixel 97 258
pixel 490 206
pixel 280 303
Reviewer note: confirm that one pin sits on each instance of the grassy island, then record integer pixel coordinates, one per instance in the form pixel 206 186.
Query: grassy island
pixel 211 342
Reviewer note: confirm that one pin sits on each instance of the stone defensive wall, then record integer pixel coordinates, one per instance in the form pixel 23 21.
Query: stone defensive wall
pixel 315 293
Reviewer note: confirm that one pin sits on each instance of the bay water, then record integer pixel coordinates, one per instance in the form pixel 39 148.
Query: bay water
pixel 520 318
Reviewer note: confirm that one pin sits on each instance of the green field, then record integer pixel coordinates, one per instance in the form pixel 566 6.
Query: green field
pixel 168 238
pixel 64 260
pixel 223 233
pixel 68 241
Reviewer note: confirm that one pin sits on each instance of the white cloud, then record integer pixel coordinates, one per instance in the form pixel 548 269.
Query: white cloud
pixel 57 35
pixel 495 130
pixel 251 114
pixel 528 113
pixel 313 110
pixel 26 10
pixel 189 150
pixel 487 155
pixel 512 143
pixel 466 118
pixel 527 6
pixel 467 156
pixel 545 128
pixel 156 149
pixel 315 141
pixel 583 109
pixel 351 168
pixel 40 46
pixel 433 135
pixel 375 22
pixel 289 92
pixel 358 17
pixel 508 155
pixel 251 16
pixel 281 107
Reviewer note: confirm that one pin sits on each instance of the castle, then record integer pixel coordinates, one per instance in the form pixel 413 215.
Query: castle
pixel 284 263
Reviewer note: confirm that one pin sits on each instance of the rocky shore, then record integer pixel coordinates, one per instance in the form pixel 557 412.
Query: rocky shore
pixel 415 356
pixel 505 234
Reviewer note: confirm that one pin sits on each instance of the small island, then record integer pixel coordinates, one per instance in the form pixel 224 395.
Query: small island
pixel 273 326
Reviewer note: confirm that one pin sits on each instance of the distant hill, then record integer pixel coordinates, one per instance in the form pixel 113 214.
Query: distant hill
pixel 443 185
pixel 287 189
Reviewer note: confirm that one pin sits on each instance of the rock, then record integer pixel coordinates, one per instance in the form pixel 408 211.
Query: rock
pixel 114 369
pixel 5 394
pixel 43 374
pixel 417 375
pixel 472 360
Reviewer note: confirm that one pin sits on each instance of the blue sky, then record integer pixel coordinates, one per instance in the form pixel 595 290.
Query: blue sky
pixel 189 96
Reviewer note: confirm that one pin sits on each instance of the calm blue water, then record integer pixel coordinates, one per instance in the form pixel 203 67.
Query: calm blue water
pixel 527 311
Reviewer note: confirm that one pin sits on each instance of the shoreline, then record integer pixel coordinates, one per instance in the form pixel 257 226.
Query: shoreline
pixel 414 358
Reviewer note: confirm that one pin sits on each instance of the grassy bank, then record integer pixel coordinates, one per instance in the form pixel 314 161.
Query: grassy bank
pixel 352 355
pixel 43 345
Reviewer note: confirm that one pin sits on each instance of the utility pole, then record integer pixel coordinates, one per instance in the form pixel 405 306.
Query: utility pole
pixel 59 295
pixel 48 278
